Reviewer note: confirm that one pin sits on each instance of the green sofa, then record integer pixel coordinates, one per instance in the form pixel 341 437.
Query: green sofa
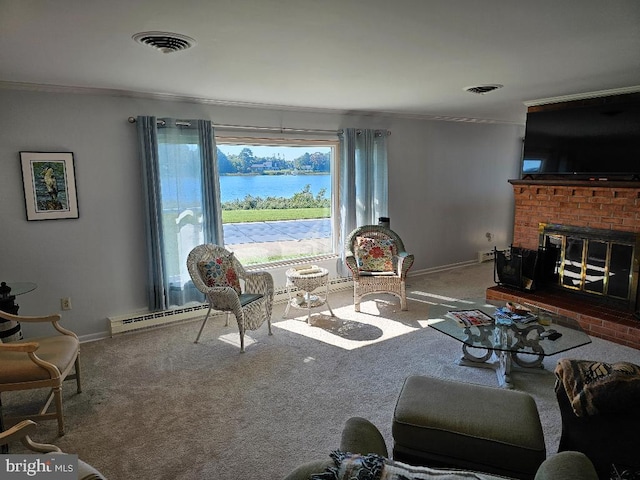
pixel 360 436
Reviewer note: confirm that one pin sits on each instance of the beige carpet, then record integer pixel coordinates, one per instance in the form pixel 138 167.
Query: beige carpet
pixel 157 406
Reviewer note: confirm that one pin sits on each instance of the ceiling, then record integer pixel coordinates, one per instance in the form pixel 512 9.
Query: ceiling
pixel 404 57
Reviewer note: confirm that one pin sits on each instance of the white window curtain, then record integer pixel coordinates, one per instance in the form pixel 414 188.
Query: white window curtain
pixel 363 182
pixel 182 200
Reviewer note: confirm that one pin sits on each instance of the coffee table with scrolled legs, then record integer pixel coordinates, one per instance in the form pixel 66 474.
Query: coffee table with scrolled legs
pixel 500 346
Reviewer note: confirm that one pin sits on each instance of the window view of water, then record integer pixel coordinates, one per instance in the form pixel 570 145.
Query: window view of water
pixel 234 187
pixel 259 226
pixel 185 192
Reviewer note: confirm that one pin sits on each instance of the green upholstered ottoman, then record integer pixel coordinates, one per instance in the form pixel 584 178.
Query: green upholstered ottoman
pixel 461 425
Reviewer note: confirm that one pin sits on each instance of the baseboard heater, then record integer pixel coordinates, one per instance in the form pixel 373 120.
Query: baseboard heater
pixel 487 255
pixel 146 320
pixel 131 322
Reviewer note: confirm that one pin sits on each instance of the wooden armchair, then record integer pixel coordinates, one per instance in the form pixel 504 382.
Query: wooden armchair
pixel 217 273
pixel 23 431
pixel 43 362
pixel 378 262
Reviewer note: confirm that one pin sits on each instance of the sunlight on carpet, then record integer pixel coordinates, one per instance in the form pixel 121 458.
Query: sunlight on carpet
pixel 437 299
pixel 378 320
pixel 234 339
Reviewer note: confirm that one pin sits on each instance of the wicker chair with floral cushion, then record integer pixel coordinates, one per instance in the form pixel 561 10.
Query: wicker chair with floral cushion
pixel 378 262
pixel 217 273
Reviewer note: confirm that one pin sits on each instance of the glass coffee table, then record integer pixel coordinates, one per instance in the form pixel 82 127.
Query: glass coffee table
pixel 495 337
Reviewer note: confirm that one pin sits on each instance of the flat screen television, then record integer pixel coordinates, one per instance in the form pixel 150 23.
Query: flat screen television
pixel 597 138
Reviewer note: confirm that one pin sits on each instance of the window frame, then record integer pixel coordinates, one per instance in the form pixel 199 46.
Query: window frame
pixel 276 141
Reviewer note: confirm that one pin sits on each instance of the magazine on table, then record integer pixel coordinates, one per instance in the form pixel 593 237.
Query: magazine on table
pixel 506 316
pixel 470 318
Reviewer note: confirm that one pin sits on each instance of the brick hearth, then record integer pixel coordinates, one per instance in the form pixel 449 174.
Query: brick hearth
pixel 592 204
pixel 598 320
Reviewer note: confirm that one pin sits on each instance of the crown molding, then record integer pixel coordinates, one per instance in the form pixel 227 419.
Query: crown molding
pixel 76 90
pixel 583 96
pixel 172 97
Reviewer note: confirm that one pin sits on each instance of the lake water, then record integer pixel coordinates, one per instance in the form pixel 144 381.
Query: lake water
pixel 237 186
pixel 186 193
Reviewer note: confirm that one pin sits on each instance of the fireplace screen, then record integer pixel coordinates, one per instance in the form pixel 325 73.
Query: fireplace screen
pixel 593 261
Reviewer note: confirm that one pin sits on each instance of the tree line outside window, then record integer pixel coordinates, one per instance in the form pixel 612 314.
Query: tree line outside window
pixel 247 162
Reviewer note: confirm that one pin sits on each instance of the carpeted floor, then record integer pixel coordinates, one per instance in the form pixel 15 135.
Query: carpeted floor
pixel 157 406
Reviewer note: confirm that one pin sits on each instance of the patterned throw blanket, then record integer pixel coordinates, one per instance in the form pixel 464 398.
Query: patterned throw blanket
pixel 598 387
pixel 350 466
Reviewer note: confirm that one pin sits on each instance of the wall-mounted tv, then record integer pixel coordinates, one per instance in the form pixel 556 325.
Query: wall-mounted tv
pixel 597 138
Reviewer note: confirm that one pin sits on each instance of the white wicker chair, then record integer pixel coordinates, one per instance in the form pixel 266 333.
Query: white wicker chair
pixel 365 283
pixel 251 308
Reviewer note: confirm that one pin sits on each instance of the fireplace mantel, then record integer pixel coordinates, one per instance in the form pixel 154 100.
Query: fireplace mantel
pixel 579 183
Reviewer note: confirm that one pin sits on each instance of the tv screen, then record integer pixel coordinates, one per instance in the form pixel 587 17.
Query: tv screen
pixel 596 138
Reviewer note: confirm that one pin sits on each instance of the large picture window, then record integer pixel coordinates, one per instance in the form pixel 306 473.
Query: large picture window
pixel 276 201
pixel 277 198
pixel 271 201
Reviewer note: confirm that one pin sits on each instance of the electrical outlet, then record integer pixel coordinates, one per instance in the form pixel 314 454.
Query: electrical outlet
pixel 65 303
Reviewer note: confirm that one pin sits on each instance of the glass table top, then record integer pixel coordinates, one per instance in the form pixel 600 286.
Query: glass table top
pixel 537 332
pixel 20 288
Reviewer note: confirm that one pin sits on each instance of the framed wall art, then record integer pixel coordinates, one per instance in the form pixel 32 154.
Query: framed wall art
pixel 49 185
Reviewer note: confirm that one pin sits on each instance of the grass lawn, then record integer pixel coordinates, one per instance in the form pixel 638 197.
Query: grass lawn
pixel 238 216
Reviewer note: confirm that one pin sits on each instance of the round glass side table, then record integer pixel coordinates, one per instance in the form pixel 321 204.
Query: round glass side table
pixel 10 330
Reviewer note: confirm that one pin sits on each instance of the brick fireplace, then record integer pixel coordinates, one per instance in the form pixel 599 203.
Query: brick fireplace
pixel 590 205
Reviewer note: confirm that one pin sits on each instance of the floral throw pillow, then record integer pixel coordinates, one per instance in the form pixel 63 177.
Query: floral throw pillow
pixel 352 466
pixel 220 272
pixel 374 255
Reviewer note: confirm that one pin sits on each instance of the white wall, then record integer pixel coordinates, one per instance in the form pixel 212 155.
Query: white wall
pixel 447 188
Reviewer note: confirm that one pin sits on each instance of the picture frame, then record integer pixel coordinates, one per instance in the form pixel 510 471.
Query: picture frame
pixel 49 182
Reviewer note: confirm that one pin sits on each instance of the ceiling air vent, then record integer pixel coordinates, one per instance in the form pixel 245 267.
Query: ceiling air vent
pixel 482 89
pixel 164 41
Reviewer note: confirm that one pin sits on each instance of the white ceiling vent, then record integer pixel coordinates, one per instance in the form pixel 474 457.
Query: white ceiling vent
pixel 483 89
pixel 164 41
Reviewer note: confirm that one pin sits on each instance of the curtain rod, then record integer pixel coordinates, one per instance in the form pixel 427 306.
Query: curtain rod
pixel 262 129
pixel 252 128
